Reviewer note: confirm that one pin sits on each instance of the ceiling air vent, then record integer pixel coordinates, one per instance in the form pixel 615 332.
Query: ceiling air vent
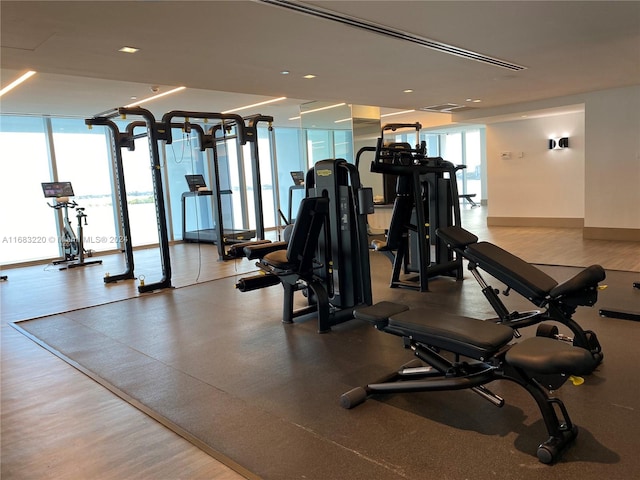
pixel 446 108
pixel 393 33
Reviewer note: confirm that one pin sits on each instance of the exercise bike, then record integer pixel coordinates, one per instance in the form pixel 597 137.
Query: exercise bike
pixel 72 243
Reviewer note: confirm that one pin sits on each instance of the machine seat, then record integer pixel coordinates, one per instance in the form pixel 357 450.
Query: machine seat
pixel 299 255
pixel 541 356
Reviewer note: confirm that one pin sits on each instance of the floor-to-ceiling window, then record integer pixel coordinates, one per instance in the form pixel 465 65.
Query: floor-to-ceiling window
pixel 473 160
pixel 290 157
pixel 36 149
pixel 265 156
pixel 183 157
pixel 460 146
pixel 28 225
pixel 82 158
pixel 139 181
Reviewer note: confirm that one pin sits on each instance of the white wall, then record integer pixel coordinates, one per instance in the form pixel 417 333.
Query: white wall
pixel 612 182
pixel 543 184
pixel 536 182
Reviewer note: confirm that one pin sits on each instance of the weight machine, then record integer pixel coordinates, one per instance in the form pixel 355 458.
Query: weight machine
pixel 327 257
pixel 72 243
pixel 426 198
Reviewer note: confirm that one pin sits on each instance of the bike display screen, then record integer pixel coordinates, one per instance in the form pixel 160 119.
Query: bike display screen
pixel 57 189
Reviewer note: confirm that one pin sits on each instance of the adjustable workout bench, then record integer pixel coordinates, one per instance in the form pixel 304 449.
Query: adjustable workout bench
pixel 532 364
pixel 559 300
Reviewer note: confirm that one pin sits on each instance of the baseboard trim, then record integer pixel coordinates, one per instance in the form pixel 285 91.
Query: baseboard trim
pixel 618 234
pixel 535 222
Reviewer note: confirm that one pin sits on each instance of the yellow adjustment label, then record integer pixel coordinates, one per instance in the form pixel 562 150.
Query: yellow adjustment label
pixel 323 173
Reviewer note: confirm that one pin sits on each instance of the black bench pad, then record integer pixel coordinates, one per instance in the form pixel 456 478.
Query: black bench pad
pixel 456 237
pixel 547 356
pixel 587 278
pixel 524 278
pixel 253 251
pixel 466 336
pixel 378 314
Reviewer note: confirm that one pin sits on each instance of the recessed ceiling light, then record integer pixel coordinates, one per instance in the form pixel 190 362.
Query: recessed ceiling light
pixel 148 99
pixel 266 102
pixel 323 108
pixel 17 82
pixel 396 113
pixel 309 76
pixel 477 100
pixel 129 49
pixel 408 90
pixel 285 72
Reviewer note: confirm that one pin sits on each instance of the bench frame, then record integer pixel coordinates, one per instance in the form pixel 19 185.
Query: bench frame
pixel 560 309
pixel 461 373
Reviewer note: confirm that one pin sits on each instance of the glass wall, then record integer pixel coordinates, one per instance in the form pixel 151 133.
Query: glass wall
pixel 35 150
pixel 184 157
pixel 290 157
pixel 82 158
pixel 461 146
pixel 343 145
pixel 28 227
pixel 139 181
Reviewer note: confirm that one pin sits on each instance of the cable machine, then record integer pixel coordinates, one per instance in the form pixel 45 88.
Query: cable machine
pixel 155 132
pixel 118 141
pixel 245 131
pixel 339 277
pixel 426 198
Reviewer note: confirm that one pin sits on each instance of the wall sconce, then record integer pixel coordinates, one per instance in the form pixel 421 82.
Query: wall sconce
pixel 558 143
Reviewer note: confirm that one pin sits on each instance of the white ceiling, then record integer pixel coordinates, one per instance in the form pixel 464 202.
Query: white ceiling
pixel 240 47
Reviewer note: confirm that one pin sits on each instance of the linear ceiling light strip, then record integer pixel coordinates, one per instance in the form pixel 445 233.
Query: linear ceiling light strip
pixel 382 30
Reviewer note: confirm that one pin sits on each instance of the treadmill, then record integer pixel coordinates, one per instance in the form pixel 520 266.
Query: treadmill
pixel 198 188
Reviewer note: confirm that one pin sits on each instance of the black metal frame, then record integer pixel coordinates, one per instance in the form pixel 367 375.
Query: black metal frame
pixel 341 279
pixel 155 132
pixel 486 366
pixel 431 185
pixel 119 141
pixel 559 309
pixel 246 131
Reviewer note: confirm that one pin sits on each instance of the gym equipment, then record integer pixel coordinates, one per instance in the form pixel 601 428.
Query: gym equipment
pixel 469 197
pixel 537 364
pixel 118 141
pixel 327 255
pixel 622 314
pixel 155 132
pixel 559 300
pixel 217 135
pixel 426 199
pixel 296 266
pixel 199 189
pixel 298 184
pixel 72 244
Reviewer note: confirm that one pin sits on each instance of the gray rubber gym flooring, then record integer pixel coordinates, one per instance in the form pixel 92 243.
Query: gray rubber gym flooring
pixel 217 366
